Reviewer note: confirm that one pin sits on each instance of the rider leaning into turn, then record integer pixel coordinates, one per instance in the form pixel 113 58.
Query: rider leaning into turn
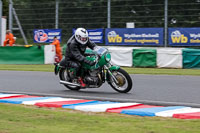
pixel 75 50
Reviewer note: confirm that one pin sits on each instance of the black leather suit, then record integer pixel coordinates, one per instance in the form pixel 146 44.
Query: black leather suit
pixel 74 54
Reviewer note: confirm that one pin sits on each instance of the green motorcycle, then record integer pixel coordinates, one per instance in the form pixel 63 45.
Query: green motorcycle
pixel 95 76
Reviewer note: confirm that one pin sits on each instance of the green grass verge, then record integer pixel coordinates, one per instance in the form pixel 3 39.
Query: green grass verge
pixel 131 70
pixel 194 72
pixel 45 68
pixel 30 119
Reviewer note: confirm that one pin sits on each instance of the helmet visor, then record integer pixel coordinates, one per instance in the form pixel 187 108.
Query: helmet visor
pixel 84 39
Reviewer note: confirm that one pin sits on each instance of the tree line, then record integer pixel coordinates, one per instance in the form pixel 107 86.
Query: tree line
pixel 37 14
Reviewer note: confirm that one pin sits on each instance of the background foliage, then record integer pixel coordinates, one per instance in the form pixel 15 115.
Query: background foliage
pixel 91 14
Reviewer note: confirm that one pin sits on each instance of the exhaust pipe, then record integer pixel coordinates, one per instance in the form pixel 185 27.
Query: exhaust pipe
pixel 68 83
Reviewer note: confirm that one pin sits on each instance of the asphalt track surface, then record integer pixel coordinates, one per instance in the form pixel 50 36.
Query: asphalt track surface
pixel 147 89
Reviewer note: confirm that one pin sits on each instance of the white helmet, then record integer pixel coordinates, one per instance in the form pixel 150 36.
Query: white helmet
pixel 81 35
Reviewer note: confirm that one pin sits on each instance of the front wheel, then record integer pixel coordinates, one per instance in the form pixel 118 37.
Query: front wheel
pixel 124 81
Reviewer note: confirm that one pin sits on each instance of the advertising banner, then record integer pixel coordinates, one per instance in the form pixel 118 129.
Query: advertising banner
pixel 46 35
pixel 134 36
pixel 95 35
pixel 184 36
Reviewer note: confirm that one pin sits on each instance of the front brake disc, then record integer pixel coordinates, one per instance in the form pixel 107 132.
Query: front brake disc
pixel 121 80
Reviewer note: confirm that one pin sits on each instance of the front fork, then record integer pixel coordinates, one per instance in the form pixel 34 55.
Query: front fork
pixel 57 68
pixel 109 69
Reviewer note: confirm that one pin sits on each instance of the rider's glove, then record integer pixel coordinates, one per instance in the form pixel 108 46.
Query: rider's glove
pixel 91 63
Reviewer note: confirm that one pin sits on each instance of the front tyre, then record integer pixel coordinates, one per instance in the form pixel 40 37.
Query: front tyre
pixel 63 76
pixel 124 84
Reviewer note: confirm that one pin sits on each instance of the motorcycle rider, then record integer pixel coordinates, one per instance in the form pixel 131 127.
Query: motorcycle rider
pixel 75 50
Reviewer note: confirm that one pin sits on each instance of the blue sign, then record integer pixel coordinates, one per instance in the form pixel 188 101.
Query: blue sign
pixel 184 36
pixel 134 36
pixel 46 35
pixel 95 35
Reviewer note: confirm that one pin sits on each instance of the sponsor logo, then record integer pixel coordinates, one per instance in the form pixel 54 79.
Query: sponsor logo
pixel 40 36
pixel 177 37
pixel 113 37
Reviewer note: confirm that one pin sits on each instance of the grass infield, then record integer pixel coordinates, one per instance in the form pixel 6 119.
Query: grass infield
pixel 31 119
pixel 131 70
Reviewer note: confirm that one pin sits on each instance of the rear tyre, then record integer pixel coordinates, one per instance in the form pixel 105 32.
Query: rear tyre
pixel 124 84
pixel 63 76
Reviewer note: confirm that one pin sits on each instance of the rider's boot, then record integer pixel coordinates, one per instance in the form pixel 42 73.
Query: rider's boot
pixel 81 82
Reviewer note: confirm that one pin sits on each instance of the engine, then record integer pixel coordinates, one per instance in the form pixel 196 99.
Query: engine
pixel 93 79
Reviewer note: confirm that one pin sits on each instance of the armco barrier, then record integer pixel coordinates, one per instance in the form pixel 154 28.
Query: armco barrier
pixel 121 56
pixel 21 55
pixel 144 57
pixel 169 58
pixel 165 57
pixel 191 58
pixel 27 55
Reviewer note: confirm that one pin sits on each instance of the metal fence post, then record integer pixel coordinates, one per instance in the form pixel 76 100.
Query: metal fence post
pixel 1 21
pixel 108 14
pixel 166 23
pixel 10 16
pixel 56 13
pixel 19 25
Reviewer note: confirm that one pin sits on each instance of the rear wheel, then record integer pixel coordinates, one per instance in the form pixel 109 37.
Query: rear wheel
pixel 124 81
pixel 63 76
